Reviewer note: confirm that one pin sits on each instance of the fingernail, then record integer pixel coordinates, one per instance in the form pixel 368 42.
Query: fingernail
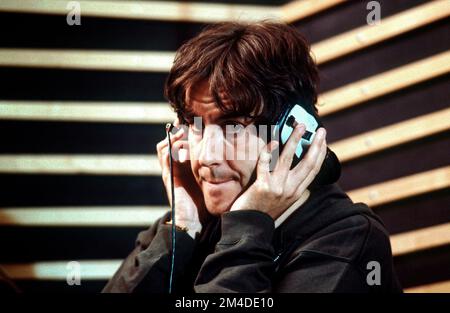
pixel 265 156
pixel 322 132
pixel 275 145
pixel 301 128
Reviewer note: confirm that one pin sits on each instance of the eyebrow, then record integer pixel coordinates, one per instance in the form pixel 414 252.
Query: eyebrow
pixel 226 116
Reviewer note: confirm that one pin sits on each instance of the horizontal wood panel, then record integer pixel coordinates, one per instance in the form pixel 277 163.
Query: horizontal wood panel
pixel 88 60
pixel 299 9
pixel 80 164
pixel 132 216
pixel 178 11
pixel 421 239
pixel 403 187
pixel 57 270
pixel 157 10
pixel 440 287
pixel 132 112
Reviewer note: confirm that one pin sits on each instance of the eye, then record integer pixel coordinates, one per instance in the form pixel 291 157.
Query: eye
pixel 234 128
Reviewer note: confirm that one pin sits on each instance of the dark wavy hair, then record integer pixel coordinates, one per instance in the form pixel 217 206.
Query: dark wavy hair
pixel 260 66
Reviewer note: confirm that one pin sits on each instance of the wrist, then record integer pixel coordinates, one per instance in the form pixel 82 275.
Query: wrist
pixel 191 228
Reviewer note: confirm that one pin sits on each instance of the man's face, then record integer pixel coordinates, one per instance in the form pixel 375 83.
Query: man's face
pixel 221 175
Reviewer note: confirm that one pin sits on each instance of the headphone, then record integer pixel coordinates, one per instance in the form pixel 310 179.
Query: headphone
pixel 296 113
pixel 304 113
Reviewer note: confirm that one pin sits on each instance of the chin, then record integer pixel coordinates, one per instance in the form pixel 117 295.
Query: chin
pixel 220 198
pixel 219 204
pixel 216 207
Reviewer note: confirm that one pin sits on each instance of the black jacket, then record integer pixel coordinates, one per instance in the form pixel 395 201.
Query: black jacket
pixel 324 246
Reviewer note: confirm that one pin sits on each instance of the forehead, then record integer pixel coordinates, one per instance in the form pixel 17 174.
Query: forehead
pixel 200 102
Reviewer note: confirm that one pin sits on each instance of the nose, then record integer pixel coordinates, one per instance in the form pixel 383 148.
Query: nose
pixel 212 146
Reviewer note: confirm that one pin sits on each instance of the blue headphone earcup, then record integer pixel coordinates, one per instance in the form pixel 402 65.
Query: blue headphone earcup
pixel 330 170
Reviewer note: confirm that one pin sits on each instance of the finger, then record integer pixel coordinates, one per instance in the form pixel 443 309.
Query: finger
pixel 176 122
pixel 180 151
pixel 263 166
pixel 287 155
pixel 163 158
pixel 174 137
pixel 308 163
pixel 160 148
pixel 163 144
pixel 180 154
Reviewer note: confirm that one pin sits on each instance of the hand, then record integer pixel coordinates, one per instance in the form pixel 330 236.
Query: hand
pixel 189 203
pixel 274 192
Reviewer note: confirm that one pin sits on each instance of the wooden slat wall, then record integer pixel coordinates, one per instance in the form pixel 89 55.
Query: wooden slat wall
pixel 82 112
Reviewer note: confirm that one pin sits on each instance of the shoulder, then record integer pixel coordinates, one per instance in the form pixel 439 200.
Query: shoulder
pixel 350 238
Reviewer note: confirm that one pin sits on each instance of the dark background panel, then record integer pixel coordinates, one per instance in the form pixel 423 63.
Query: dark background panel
pixel 55 84
pixel 423 267
pixel 425 210
pixel 80 190
pixel 79 138
pixel 347 16
pixel 52 31
pixel 408 159
pixel 32 244
pixel 60 286
pixel 421 43
pixel 415 101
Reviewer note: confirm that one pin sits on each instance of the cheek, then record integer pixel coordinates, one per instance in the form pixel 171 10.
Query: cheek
pixel 193 155
pixel 251 150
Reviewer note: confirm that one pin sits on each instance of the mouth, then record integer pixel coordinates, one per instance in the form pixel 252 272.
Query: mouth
pixel 216 181
pixel 216 187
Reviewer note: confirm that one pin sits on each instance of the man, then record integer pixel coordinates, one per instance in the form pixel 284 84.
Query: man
pixel 243 226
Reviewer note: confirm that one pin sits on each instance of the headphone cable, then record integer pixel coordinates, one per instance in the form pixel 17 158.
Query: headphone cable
pixel 172 266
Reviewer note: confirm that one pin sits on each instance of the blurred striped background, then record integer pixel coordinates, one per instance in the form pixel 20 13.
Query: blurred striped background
pixel 81 110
